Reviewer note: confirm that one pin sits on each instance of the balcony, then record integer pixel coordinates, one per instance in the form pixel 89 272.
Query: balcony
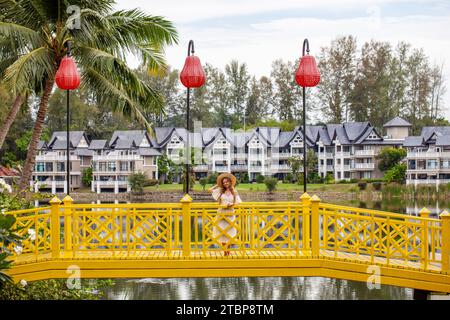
pixel 427 155
pixel 342 154
pixel 428 181
pixel 241 156
pixel 115 157
pixel 239 167
pixel 256 156
pixel 326 155
pixel 110 183
pixel 330 168
pixel 220 168
pixel 201 168
pixel 283 155
pixel 364 166
pixel 282 167
pixel 365 153
pixel 220 156
pixel 54 157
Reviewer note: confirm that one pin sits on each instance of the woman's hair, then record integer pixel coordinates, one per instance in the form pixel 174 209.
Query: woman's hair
pixel 222 190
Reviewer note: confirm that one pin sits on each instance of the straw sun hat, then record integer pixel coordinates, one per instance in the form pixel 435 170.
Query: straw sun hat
pixel 226 175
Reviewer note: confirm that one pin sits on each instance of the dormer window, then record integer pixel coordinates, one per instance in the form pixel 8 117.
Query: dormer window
pixel 373 136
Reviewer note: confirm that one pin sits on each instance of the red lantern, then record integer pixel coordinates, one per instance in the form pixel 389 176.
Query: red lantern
pixel 192 75
pixel 67 76
pixel 307 74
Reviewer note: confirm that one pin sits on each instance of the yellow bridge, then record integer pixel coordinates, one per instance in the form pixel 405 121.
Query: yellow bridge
pixel 304 238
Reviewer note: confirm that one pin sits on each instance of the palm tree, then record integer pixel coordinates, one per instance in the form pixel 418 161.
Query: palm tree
pixel 40 29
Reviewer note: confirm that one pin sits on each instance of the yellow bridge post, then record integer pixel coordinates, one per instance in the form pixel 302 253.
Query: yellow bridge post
pixel 186 224
pixel 424 213
pixel 306 206
pixel 68 201
pixel 55 227
pixel 445 254
pixel 315 226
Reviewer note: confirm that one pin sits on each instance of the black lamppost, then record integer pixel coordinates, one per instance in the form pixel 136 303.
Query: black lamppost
pixel 68 78
pixel 307 75
pixel 192 76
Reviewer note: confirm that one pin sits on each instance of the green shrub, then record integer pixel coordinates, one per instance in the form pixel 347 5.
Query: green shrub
pixel 329 178
pixel 203 182
pixel 377 186
pixel 354 180
pixel 86 177
pixel 151 182
pixel 362 185
pixel 260 178
pixel 244 178
pixel 137 181
pixel 54 289
pixel 212 177
pixel 396 174
pixel 271 183
pixel 289 178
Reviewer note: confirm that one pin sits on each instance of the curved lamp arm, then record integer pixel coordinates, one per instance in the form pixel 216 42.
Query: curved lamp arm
pixel 191 47
pixel 305 43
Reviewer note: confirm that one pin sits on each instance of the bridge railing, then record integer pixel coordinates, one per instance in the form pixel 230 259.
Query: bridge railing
pixel 191 230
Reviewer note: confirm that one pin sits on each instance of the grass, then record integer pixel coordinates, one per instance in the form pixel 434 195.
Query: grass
pixel 262 187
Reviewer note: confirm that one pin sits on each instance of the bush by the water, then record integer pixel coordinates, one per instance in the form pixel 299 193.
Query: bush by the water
pixel 260 178
pixel 377 186
pixel 271 183
pixel 362 185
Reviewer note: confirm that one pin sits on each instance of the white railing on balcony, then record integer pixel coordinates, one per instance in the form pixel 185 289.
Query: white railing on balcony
pixel 280 167
pixel 423 154
pixel 365 152
pixel 202 167
pixel 54 157
pixel 342 154
pixel 427 181
pixel 364 166
pixel 240 167
pixel 114 157
pixel 239 156
pixel 330 168
pixel 283 155
pixel 220 156
pixel 111 183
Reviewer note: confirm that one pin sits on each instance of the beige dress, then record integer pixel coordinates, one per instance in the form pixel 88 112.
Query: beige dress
pixel 220 224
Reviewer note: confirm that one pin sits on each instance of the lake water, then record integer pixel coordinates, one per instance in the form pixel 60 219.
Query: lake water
pixel 273 288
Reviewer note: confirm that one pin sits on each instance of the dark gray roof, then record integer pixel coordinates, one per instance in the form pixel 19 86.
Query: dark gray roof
pixel 124 144
pixel 135 136
pixel 413 141
pixel 354 130
pixel 397 122
pixel 443 141
pixel 85 152
pixel 74 137
pixel 60 145
pixel 98 144
pixel 42 145
pixel 428 132
pixel 149 152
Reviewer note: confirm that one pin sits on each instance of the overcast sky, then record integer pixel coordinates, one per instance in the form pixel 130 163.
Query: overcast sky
pixel 259 31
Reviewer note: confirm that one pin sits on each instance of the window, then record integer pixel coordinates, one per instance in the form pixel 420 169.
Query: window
pixel 49 166
pixel 40 167
pixel 124 166
pixel 60 166
pixel 367 175
pixel 111 166
pixel 432 164
pixel 373 136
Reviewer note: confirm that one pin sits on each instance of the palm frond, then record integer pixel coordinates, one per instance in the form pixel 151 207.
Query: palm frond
pixel 22 36
pixel 29 69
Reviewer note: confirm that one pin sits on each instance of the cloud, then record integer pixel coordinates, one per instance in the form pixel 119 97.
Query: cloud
pixel 258 42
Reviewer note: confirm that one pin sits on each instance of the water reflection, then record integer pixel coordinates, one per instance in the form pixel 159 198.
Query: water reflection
pixel 270 288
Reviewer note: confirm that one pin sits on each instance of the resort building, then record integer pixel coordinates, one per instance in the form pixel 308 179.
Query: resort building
pixel 344 151
pixel 50 166
pixel 428 156
pixel 127 152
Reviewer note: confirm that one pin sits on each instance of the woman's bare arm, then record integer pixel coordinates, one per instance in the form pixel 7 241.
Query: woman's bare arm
pixel 213 187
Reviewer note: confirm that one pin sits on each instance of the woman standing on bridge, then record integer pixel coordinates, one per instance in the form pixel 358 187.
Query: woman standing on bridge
pixel 225 193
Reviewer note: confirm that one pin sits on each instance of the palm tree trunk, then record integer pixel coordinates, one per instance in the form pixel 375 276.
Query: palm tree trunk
pixel 10 118
pixel 32 149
